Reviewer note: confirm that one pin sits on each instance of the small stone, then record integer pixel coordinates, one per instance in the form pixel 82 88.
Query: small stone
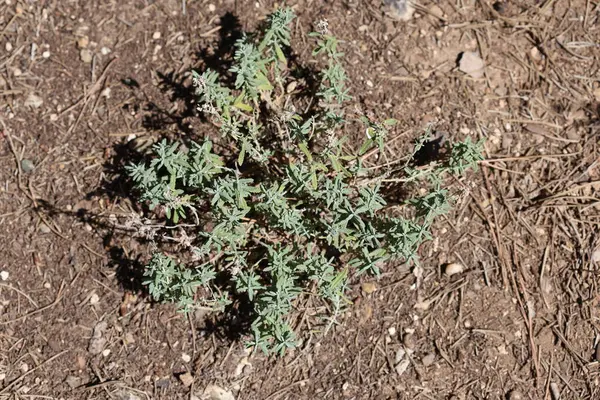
pixel 453 269
pixel 186 358
pixel 97 342
pixel 596 255
pixel 27 165
pixel 73 381
pixel 46 54
pixel 187 379
pixel 291 87
pixel 33 101
pixel 156 35
pixel 105 51
pixel 370 84
pixel 94 299
pixel 409 341
pixel 17 72
pixel 163 383
pixel 392 331
pixel 402 10
pixel 428 359
pixel 106 352
pixel 24 367
pixel 597 94
pixel 53 117
pixel 125 395
pixel 515 395
pixel 4 275
pixel 47 285
pixel 45 229
pixel 212 8
pixel 81 362
pixel 88 227
pixel 86 56
pixel 8 46
pixel 369 287
pixel 83 42
pixel 471 64
pixel 214 392
pixel 129 338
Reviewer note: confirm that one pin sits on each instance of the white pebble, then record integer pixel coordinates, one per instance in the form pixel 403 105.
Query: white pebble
pixel 453 269
pixel 156 35
pixel 94 299
pixel 186 357
pixel 392 330
pixel 212 7
pixel 47 285
pixel 46 54
pixel 4 275
pixel 8 46
pixel 104 51
pixel 106 352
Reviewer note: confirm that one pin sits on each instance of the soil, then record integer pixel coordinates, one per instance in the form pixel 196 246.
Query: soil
pixel 85 84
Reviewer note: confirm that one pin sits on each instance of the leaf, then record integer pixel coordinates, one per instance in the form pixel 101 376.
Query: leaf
pixel 304 148
pixel 262 82
pixel 280 54
pixel 239 103
pixel 240 159
pixel 365 147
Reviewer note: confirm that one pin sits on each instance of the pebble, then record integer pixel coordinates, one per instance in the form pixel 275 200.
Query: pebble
pixel 27 165
pixel 187 379
pixel 428 359
pixel 392 331
pixel 46 54
pixel 97 342
pixel 214 392
pixel 33 100
pixel 156 35
pixel 105 51
pixel 369 287
pixel 45 229
pixel 409 341
pixel 4 275
pixel 453 269
pixel 106 352
pixel 401 9
pixel 83 42
pixel 94 299
pixel 212 8
pixel 471 64
pixel 163 383
pixel 596 255
pixel 73 381
pixel 186 357
pixel 86 56
pixel 8 46
pixel 515 395
pixel 125 395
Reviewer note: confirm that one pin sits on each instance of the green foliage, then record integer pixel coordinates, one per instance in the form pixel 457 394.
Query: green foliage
pixel 289 210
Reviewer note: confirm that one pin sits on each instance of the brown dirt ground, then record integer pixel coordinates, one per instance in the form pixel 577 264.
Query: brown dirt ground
pixel 520 320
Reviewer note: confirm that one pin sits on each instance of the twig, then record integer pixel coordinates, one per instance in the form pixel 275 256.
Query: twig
pixel 20 378
pixel 29 314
